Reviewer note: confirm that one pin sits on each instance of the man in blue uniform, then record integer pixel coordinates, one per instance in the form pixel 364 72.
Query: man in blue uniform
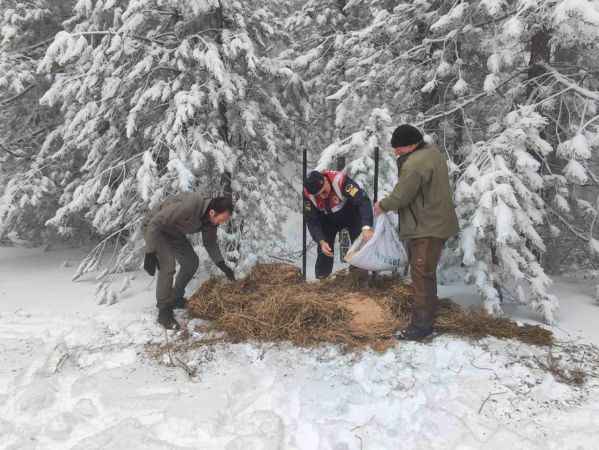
pixel 332 202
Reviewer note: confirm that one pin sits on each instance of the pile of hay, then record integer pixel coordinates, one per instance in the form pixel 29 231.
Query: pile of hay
pixel 274 304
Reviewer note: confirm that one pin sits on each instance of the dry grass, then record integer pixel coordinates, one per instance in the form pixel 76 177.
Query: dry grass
pixel 274 304
pixel 573 377
pixel 476 323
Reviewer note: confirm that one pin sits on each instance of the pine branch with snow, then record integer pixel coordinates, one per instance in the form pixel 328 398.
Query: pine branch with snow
pixel 146 116
pixel 501 212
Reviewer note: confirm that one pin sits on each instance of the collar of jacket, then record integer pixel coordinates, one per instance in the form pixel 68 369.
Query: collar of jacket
pixel 403 158
pixel 206 221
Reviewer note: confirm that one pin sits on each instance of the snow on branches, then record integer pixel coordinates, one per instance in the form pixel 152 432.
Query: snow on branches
pixel 160 97
pixel 108 107
pixel 501 213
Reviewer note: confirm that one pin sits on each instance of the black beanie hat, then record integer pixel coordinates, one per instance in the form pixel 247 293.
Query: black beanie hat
pixel 405 135
pixel 314 182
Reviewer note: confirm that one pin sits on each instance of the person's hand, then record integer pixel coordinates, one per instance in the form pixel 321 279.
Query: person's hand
pixel 226 270
pixel 367 234
pixel 377 209
pixel 151 263
pixel 326 248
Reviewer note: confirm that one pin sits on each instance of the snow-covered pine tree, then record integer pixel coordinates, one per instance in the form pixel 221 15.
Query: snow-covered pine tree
pixel 541 84
pixel 165 96
pixel 316 28
pixel 27 190
pixel 575 120
pixel 501 207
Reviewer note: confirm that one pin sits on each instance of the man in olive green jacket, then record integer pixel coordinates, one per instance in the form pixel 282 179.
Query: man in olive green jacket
pixel 164 232
pixel 427 219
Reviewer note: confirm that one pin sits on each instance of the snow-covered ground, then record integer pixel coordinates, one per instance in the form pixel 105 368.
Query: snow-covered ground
pixel 75 374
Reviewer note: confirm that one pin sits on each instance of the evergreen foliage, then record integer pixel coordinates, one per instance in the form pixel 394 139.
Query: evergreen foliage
pixel 110 106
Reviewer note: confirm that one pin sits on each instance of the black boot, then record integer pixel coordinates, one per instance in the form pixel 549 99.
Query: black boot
pixel 180 303
pixel 166 318
pixel 421 325
pixel 414 333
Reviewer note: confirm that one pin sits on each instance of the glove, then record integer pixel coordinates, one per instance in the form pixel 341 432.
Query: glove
pixel 151 263
pixel 226 270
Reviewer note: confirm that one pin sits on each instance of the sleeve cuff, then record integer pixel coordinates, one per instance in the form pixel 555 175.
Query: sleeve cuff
pixel 383 205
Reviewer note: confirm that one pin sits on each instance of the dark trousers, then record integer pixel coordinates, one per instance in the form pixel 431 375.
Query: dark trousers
pixel 332 224
pixel 174 248
pixel 424 258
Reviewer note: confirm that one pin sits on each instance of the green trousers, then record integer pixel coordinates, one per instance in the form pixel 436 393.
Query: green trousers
pixel 172 249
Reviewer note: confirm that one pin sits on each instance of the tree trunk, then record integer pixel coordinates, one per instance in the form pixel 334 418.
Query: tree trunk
pixel 540 52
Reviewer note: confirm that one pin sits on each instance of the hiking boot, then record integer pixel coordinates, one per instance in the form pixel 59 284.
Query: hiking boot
pixel 180 303
pixel 414 333
pixel 166 318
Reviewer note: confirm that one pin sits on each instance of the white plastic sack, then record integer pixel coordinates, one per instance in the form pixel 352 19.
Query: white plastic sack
pixel 384 251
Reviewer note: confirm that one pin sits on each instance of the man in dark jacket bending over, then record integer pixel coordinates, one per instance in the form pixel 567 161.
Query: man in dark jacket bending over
pixel 332 201
pixel 166 243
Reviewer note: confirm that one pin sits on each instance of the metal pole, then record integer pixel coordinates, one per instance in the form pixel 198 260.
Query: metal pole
pixel 304 236
pixel 376 174
pixel 344 238
pixel 376 190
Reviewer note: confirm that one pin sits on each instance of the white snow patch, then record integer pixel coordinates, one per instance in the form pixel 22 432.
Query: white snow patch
pixel 74 375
